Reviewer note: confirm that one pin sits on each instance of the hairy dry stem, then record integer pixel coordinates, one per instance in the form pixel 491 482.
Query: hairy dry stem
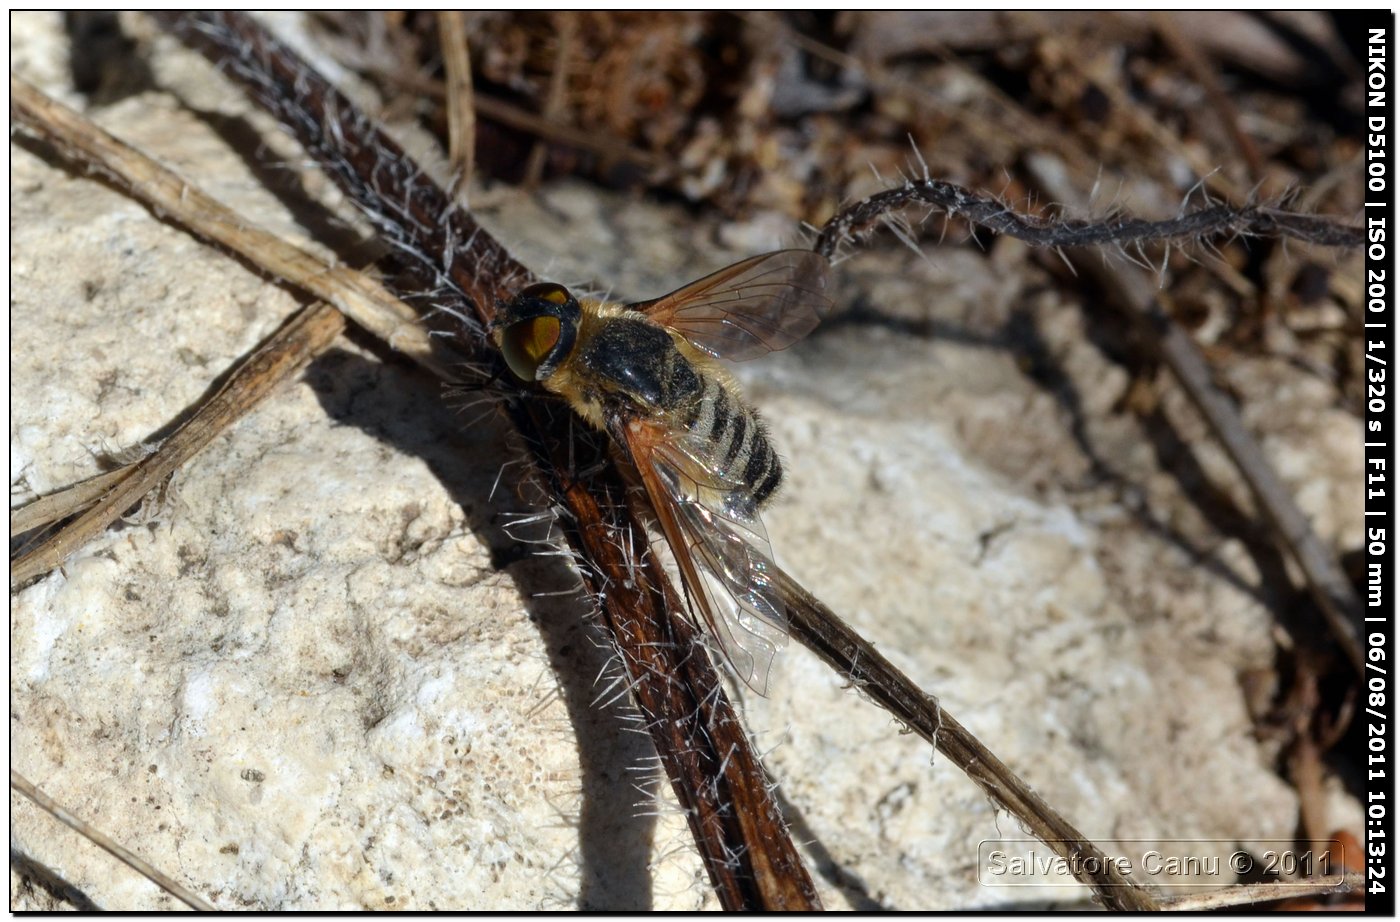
pixel 460 271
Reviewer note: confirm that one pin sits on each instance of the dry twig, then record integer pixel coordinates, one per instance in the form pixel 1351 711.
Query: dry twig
pixel 65 502
pixel 1191 227
pixel 310 332
pixel 46 803
pixel 826 635
pixel 565 31
pixel 359 297
pixel 461 108
pixel 472 271
pixel 1254 894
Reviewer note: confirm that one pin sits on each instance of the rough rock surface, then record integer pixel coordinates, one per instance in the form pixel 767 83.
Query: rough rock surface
pixel 326 676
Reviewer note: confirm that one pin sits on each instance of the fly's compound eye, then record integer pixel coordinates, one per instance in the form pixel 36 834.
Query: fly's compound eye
pixel 528 343
pixel 537 330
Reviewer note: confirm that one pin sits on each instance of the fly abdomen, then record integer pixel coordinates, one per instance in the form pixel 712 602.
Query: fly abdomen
pixel 764 471
pixel 735 441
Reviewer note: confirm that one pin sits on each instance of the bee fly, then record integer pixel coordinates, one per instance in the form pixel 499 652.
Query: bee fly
pixel 646 374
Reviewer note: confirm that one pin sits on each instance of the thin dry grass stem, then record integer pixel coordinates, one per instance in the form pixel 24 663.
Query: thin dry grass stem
pixel 718 780
pixel 1254 894
pixel 362 299
pixel 750 858
pixel 513 116
pixel 821 631
pixel 565 30
pixel 65 502
pixel 307 334
pixel 24 786
pixel 461 109
pixel 1136 295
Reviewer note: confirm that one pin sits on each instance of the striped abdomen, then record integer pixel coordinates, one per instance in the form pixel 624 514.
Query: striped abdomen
pixel 735 439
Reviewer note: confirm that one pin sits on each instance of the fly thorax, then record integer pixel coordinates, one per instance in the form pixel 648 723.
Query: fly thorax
pixel 640 361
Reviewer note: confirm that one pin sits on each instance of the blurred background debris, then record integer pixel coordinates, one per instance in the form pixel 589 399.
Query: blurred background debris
pixel 796 113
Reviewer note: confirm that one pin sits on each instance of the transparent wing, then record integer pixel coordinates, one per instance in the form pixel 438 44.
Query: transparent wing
pixel 721 547
pixel 751 308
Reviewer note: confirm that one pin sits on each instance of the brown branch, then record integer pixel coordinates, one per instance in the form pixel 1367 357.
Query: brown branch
pixel 672 681
pixel 717 778
pixel 825 634
pixel 678 690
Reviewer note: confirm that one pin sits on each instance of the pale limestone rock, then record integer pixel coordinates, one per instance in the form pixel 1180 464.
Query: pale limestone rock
pixel 320 681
